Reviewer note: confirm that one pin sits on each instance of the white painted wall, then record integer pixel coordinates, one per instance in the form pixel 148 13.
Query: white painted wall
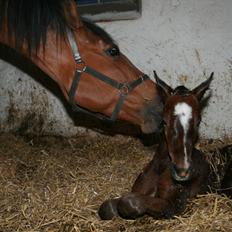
pixel 183 40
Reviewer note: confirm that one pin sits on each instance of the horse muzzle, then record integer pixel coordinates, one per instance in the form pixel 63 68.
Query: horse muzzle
pixel 152 118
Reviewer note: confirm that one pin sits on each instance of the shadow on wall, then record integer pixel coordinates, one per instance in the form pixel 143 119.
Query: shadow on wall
pixel 79 119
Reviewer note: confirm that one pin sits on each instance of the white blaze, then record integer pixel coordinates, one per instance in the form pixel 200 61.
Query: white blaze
pixel 184 112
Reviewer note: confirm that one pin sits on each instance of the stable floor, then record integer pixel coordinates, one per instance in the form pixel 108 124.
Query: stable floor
pixel 57 184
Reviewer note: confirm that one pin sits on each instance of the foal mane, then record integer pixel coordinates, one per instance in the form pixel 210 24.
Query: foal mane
pixel 181 90
pixel 29 20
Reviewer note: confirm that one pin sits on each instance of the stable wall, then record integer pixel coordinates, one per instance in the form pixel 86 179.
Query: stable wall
pixel 184 41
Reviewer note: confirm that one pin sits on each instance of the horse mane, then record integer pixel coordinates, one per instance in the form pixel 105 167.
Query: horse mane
pixel 97 30
pixel 29 20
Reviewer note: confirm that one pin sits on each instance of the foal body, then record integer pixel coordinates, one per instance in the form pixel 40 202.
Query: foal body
pixel 155 192
pixel 177 171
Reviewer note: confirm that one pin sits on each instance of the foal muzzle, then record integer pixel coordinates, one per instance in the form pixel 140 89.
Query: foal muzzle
pixel 180 174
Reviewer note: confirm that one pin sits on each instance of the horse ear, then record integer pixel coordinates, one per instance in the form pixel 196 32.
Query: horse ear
pixel 200 89
pixel 164 88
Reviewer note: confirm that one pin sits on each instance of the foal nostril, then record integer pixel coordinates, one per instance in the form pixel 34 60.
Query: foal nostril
pixel 181 173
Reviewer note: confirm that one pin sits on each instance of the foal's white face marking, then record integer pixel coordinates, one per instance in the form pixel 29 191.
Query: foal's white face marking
pixel 184 112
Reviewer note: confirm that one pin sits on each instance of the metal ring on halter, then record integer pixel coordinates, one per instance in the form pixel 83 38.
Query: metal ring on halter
pixel 142 77
pixel 82 70
pixel 125 89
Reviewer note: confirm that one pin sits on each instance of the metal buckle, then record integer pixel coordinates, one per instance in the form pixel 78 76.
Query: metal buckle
pixel 142 77
pixel 77 58
pixel 125 89
pixel 82 68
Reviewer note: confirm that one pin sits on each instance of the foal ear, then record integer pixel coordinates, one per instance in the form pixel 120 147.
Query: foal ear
pixel 166 90
pixel 200 89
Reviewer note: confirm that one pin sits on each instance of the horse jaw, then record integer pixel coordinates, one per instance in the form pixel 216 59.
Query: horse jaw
pixel 149 127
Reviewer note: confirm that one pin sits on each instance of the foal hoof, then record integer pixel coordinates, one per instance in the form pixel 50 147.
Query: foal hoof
pixel 131 206
pixel 108 209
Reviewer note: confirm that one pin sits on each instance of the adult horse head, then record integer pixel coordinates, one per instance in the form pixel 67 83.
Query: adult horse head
pixel 38 30
pixel 181 118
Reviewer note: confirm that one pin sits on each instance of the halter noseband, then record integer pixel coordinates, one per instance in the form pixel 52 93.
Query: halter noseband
pixel 124 88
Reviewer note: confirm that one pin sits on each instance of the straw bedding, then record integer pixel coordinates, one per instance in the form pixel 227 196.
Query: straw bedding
pixel 56 184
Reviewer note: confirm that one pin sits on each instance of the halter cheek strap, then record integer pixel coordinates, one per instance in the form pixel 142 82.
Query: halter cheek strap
pixel 124 88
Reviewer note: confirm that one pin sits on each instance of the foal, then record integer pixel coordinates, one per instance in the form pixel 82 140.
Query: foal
pixel 178 171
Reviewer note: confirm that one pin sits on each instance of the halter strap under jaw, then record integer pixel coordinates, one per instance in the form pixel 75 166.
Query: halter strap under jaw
pixel 124 88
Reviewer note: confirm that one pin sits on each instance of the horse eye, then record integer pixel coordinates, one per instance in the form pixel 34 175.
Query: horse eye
pixel 113 51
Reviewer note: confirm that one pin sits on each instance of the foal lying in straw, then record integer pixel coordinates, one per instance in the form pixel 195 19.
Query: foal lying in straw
pixel 178 171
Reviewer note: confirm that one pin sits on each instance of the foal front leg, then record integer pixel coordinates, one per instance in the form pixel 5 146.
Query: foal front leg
pixel 137 203
pixel 109 209
pixel 134 205
pixel 130 204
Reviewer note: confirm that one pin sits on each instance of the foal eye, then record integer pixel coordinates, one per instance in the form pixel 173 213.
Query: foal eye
pixel 198 122
pixel 113 51
pixel 163 123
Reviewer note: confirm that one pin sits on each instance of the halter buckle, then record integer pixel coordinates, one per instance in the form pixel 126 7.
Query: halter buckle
pixel 125 89
pixel 77 58
pixel 141 77
pixel 82 68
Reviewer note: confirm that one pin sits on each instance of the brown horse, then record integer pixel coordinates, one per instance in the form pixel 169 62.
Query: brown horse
pixel 82 59
pixel 178 171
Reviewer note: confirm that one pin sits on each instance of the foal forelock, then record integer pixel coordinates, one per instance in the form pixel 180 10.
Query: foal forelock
pixel 184 113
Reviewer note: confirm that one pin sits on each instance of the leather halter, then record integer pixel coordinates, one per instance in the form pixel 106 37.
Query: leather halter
pixel 124 88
